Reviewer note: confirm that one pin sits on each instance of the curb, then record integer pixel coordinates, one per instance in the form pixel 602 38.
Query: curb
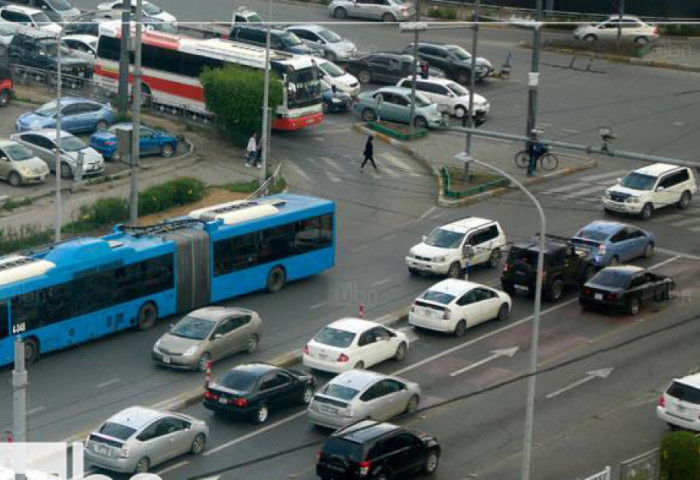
pixel 285 360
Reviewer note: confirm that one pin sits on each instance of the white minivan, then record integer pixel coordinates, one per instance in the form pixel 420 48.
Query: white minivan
pixel 649 188
pixel 450 94
pixel 449 249
pixel 679 406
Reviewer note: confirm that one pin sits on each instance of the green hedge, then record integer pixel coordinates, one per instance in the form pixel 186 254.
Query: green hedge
pixel 175 193
pixel 680 456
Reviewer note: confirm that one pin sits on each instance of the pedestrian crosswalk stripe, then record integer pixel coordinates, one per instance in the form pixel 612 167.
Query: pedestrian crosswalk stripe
pixel 331 163
pixel 566 188
pixel 694 229
pixel 584 192
pixel 398 163
pixel 298 171
pixel 687 221
pixel 333 178
pixel 600 176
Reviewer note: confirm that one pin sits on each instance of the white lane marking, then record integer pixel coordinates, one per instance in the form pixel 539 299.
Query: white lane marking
pixel 387 238
pixel 661 264
pixel 333 178
pixel 384 170
pixel 380 282
pixel 109 382
pixel 566 188
pixel 298 171
pixel 435 217
pixel 679 254
pixel 359 249
pixel 592 375
pixel 601 176
pixel 254 433
pixel 685 222
pixel 172 467
pixel 320 139
pixel 317 305
pixel 584 192
pixel 331 163
pixel 569 130
pixel 694 229
pixel 426 213
pixel 503 352
pixel 35 410
pixel 404 167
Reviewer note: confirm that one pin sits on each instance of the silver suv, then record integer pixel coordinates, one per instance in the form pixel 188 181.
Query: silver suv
pixel 138 438
pixel 384 10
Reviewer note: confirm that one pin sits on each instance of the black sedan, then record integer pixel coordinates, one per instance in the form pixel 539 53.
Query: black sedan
pixel 626 288
pixel 386 68
pixel 333 99
pixel 253 389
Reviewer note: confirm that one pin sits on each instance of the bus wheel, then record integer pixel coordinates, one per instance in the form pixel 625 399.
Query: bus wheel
pixel 31 350
pixel 276 280
pixel 147 316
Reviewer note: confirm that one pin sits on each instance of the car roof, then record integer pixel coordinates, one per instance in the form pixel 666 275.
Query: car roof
pixel 692 380
pixel 550 245
pixel 624 17
pixel 309 26
pixel 256 368
pixel 136 417
pixel 357 379
pixel 83 37
pixel 454 286
pixel 398 55
pixel 354 325
pixel 7 143
pixel 38 34
pixel 21 9
pixel 606 226
pixel 68 100
pixel 657 169
pixel 365 430
pixel 468 223
pixel 216 313
pixel 50 133
pixel 393 89
pixel 435 80
pixel 629 269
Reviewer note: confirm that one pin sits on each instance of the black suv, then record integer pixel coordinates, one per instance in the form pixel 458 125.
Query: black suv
pixel 40 50
pixel 563 265
pixel 370 449
pixel 455 61
pixel 387 67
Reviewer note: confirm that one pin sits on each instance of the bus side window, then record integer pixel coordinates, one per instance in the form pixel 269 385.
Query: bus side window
pixel 4 326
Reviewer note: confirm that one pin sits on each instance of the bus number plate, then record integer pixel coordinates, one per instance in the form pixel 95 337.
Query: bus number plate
pixel 19 328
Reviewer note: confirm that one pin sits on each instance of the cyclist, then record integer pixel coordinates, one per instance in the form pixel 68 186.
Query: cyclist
pixel 535 149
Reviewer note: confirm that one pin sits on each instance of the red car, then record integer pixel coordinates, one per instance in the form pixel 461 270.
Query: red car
pixel 5 85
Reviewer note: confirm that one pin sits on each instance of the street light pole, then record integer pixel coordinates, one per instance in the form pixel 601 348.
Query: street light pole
pixel 57 161
pixel 619 23
pixel 472 82
pixel 534 76
pixel 136 120
pixel 265 140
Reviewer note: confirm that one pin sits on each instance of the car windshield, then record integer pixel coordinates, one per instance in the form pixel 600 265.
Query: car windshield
pixel 611 278
pixel 334 337
pixel 340 391
pixel 596 235
pixel 331 69
pixel 239 380
pixel 72 144
pixel 290 40
pixel 444 238
pixel 41 19
pixel 459 52
pixel 329 36
pixel 437 297
pixel 116 430
pixel 458 89
pixel 638 181
pixel 192 327
pixel 422 101
pixel 47 110
pixel 254 18
pixel 17 152
pixel 150 9
pixel 60 5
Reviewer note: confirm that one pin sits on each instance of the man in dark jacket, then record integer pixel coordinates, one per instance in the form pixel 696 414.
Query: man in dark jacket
pixel 369 154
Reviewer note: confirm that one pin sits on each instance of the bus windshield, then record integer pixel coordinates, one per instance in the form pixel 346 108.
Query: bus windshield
pixel 303 87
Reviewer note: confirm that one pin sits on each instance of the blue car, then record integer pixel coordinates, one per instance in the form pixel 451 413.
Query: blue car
pixel 334 100
pixel 152 142
pixel 611 243
pixel 78 115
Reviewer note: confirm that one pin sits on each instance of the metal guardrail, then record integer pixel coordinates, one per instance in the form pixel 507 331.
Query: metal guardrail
pixel 642 467
pixel 265 187
pixel 604 475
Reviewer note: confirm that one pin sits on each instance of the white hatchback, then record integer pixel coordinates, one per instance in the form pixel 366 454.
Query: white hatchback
pixel 455 305
pixel 354 343
pixel 449 94
pixel 679 406
pixel 334 75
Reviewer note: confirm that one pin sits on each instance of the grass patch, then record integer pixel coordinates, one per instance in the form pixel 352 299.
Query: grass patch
pixel 13 203
pixel 476 177
pixel 23 237
pixel 253 185
pixel 445 13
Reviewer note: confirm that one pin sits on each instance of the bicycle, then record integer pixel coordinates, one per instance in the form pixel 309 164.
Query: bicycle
pixel 548 160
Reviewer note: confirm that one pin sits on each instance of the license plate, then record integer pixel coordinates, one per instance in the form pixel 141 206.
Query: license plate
pixel 598 296
pixel 166 359
pixel 326 409
pixel 101 450
pixel 223 400
pixel 322 356
pixel 523 288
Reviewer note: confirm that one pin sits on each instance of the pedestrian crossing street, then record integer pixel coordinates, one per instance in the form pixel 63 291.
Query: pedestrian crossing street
pixel 590 188
pixel 339 167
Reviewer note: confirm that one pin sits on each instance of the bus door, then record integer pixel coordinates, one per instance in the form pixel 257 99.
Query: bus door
pixel 192 267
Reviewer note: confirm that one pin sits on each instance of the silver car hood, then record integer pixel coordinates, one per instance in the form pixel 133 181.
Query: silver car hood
pixel 170 343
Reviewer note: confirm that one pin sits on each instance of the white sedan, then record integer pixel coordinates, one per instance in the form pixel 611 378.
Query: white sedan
pixel 354 343
pixel 149 10
pixel 455 305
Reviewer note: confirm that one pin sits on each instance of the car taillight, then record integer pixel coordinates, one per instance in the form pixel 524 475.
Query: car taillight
pixel 586 291
pixel 611 296
pixel 661 402
pixel 506 267
pixel 306 349
pixel 319 454
pixel 601 250
pixel 364 468
pixel 343 358
pixel 240 402
pixel 124 452
pixel 210 396
pixel 110 143
pixel 446 315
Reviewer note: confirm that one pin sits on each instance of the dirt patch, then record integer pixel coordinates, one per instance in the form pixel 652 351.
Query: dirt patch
pixel 214 197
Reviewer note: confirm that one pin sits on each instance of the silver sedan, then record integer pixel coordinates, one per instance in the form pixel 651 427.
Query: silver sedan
pixel 360 394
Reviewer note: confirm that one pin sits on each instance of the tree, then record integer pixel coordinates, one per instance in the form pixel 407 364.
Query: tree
pixel 680 456
pixel 235 95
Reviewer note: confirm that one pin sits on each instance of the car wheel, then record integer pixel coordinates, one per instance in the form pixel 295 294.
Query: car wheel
pixel 31 350
pixel 431 463
pixel 252 344
pixel 649 250
pixel 647 211
pixel 463 77
pixel 198 444
pixel 685 200
pixel 14 179
pixel 276 280
pixel 340 13
pixel 495 258
pixel 4 98
pixel 66 171
pixel 142 465
pixel 502 313
pixel 413 272
pixel 590 38
pixel 365 76
pixel 412 404
pixel 507 287
pixel 455 270
pixel 460 111
pixel 420 122
pixel 307 394
pixel 203 362
pixel 460 328
pixel 633 305
pixel 326 106
pixel 368 115
pixel 359 365
pixel 101 125
pixel 148 313
pixel 388 17
pixel 400 352
pixel 641 41
pixel 167 150
pixel 555 290
pixel 261 414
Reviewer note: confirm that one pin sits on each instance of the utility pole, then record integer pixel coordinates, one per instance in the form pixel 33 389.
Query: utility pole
pixel 136 120
pixel 19 400
pixel 619 23
pixel 472 82
pixel 265 140
pixel 534 76
pixel 416 33
pixel 57 169
pixel 123 87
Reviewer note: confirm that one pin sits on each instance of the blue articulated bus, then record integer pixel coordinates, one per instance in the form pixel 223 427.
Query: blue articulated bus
pixel 81 289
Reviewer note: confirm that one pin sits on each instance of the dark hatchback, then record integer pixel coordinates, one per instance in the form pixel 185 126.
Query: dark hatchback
pixel 369 449
pixel 334 101
pixel 252 390
pixel 387 67
pixel 625 288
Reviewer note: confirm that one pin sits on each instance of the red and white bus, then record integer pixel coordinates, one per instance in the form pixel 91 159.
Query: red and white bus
pixel 171 65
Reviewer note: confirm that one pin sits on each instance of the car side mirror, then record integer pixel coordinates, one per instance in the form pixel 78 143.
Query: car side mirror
pixel 171 326
pixel 424 238
pixel 218 335
pixel 660 189
pixel 618 180
pixel 468 251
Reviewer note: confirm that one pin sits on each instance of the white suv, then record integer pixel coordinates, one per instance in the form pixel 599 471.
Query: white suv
pixel 644 190
pixel 679 406
pixel 450 248
pixel 450 94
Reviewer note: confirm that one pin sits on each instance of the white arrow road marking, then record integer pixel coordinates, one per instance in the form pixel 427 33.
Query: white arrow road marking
pixel 592 375
pixel 503 352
